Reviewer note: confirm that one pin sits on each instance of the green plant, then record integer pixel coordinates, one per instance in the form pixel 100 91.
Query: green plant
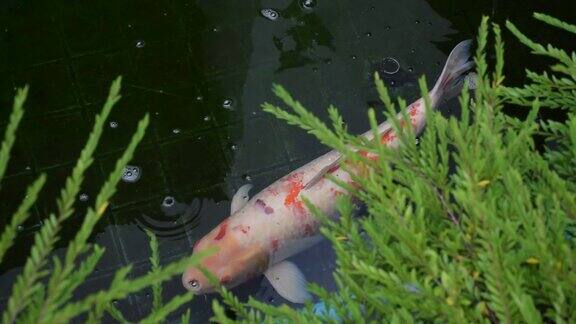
pixel 40 295
pixel 159 311
pixel 491 241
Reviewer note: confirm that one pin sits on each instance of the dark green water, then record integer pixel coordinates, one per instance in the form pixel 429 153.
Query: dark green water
pixel 202 69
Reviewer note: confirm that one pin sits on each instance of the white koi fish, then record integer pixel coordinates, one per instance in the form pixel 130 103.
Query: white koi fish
pixel 275 224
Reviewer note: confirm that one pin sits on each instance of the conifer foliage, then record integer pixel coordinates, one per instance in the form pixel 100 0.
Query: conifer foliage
pixel 489 240
pixel 42 292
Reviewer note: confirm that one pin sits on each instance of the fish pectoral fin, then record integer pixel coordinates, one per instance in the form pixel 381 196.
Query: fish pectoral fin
pixel 321 173
pixel 288 281
pixel 240 198
pixel 294 246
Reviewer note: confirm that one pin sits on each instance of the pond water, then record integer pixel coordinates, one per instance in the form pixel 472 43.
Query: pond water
pixel 202 69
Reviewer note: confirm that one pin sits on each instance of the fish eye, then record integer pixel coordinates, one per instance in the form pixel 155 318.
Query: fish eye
pixel 194 284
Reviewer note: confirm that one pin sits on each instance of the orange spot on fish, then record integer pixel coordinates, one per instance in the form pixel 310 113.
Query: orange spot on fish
pixel 221 232
pixel 295 186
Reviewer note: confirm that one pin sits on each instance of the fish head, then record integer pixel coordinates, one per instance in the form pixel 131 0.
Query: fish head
pixel 234 262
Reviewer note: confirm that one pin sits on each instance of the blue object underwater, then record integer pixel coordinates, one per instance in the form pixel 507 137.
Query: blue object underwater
pixel 319 309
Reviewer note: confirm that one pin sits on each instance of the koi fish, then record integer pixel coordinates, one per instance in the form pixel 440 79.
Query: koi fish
pixel 274 225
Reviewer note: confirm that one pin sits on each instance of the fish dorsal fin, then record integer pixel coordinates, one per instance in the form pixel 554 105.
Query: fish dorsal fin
pixel 288 281
pixel 294 246
pixel 240 198
pixel 318 176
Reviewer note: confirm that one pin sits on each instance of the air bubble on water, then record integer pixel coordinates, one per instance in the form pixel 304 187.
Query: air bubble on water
pixel 413 51
pixel 228 104
pixel 131 174
pixel 171 207
pixel 176 131
pixel 113 124
pixel 410 69
pixel 390 65
pixel 216 29
pixel 353 56
pixel 308 4
pixel 20 228
pixel 83 197
pixel 314 69
pixel 28 168
pixel 269 14
pixel 140 43
pixel 129 25
pixel 168 202
pixel 417 21
pixel 199 98
pixel 207 118
pixel 388 27
pixel 372 8
pixel 247 177
pixel 368 34
pixel 234 147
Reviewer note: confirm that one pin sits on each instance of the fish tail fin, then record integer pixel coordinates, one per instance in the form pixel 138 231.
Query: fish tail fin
pixel 450 81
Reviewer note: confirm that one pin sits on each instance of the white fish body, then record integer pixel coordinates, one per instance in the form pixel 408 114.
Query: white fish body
pixel 274 224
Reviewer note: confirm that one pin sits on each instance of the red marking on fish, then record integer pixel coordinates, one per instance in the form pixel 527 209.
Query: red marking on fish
pixel 368 155
pixel 221 232
pixel 225 280
pixel 242 228
pixel 387 137
pixel 275 245
pixel 414 110
pixel 267 209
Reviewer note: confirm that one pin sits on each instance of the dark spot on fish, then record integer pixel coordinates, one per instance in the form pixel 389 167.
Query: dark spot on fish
pixel 267 209
pixel 308 230
pixel 334 168
pixel 221 232
pixel 242 228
